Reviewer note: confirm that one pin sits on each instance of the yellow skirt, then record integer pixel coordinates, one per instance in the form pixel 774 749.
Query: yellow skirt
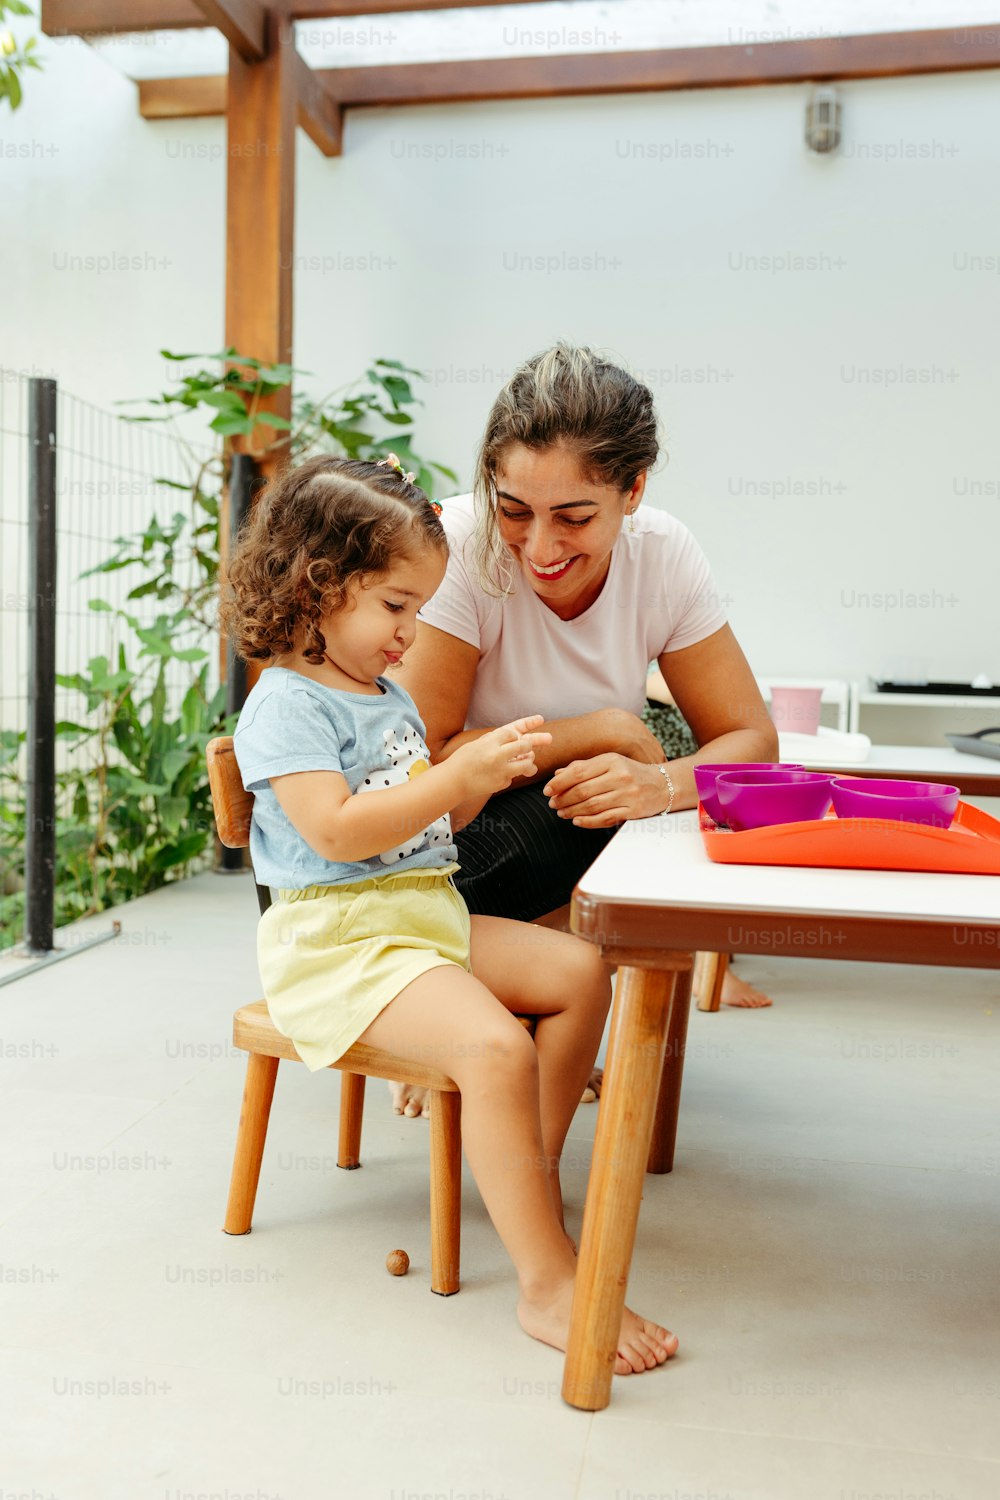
pixel 332 957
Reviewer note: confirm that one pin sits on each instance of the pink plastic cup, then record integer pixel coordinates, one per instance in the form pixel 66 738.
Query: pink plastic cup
pixel 796 709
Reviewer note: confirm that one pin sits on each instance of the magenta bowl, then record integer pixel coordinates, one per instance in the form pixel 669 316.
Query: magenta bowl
pixel 705 778
pixel 900 801
pixel 757 799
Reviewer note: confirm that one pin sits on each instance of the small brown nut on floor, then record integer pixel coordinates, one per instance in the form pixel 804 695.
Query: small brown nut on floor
pixel 397 1262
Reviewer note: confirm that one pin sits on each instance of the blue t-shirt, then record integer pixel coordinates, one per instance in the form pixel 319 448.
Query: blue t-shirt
pixel 290 723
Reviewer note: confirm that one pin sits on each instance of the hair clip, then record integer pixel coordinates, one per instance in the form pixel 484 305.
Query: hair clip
pixel 435 505
pixel 392 462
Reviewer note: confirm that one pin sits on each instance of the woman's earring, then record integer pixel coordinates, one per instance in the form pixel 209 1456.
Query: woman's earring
pixel 631 520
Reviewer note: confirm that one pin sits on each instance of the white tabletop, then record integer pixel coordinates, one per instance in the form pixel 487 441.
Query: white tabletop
pixel 915 759
pixel 662 861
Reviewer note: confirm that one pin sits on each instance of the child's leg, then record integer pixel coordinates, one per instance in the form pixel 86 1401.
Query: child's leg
pixel 563 981
pixel 448 1018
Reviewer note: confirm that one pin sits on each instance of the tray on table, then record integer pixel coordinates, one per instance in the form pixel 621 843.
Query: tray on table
pixel 971 846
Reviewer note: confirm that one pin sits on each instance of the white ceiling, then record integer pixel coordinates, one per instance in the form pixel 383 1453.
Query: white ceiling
pixel 558 26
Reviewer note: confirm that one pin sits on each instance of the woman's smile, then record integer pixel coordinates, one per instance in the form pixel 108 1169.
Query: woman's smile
pixel 553 570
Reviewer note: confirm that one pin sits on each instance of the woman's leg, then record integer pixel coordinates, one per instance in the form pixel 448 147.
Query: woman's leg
pixel 448 1018
pixel 519 859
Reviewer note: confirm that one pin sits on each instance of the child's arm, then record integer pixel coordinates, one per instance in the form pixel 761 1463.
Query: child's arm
pixel 346 828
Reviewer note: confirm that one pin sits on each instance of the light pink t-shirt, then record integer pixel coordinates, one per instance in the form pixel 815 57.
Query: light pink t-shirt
pixel 659 596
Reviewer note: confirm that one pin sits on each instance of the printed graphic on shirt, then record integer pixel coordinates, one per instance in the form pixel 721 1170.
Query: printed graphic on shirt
pixel 406 759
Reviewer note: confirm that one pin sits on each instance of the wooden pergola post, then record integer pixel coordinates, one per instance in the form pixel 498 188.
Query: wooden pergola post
pixel 260 207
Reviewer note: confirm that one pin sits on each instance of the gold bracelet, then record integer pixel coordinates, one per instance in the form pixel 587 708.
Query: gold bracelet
pixel 673 790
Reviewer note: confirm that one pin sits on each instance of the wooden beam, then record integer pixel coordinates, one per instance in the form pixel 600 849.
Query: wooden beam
pixel 93 17
pixel 881 55
pixel 182 98
pixel 319 113
pixel 98 17
pixel 242 23
pixel 875 56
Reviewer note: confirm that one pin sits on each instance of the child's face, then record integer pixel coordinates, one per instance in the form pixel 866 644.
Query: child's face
pixel 379 620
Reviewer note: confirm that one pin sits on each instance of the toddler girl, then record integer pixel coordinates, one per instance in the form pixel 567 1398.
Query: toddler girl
pixel 351 824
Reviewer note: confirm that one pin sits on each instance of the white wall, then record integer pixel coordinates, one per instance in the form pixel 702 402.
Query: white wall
pixel 812 487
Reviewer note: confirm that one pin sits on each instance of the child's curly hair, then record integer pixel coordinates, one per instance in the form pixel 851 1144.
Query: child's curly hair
pixel 315 530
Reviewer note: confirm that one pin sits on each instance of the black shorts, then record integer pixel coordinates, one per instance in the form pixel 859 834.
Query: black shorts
pixel 520 859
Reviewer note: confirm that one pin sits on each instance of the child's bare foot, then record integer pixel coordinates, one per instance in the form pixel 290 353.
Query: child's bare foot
pixel 409 1099
pixel 736 992
pixel 642 1345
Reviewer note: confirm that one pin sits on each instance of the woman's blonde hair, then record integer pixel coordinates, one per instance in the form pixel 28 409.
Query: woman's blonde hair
pixel 572 397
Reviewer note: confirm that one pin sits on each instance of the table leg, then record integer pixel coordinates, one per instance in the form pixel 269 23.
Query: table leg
pixel 624 1123
pixel 713 972
pixel 668 1099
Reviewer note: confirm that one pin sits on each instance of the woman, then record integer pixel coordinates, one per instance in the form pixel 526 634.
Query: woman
pixel 561 589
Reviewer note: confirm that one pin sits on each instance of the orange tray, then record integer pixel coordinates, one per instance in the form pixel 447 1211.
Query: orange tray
pixel 971 846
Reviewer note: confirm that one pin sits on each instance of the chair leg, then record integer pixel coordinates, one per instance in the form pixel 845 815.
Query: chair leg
pixel 352 1104
pixel 446 1192
pixel 258 1092
pixel 668 1099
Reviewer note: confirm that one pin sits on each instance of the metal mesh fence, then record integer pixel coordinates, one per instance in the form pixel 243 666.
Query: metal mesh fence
pixel 114 479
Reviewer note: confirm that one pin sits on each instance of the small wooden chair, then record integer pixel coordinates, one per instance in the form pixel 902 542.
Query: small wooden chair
pixel 254 1032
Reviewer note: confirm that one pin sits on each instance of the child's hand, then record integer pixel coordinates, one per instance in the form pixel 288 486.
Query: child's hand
pixel 489 764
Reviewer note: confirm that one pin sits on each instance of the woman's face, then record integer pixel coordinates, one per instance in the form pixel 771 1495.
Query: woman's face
pixel 559 526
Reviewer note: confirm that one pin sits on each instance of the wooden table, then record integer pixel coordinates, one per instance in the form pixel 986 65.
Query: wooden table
pixel 650 900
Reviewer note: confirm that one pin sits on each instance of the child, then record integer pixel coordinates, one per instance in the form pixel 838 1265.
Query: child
pixel 369 939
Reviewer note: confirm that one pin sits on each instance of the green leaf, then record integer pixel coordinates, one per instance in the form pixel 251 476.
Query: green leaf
pixel 155 643
pixel 173 763
pixel 227 426
pixel 127 783
pixel 225 401
pixel 151 586
pixel 101 605
pixel 173 813
pixel 180 852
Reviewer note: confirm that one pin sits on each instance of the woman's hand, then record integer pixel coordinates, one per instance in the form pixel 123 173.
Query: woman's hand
pixel 490 763
pixel 606 790
pixel 629 736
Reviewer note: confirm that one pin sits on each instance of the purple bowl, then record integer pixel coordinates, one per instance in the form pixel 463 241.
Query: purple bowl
pixel 899 801
pixel 705 777
pixel 757 799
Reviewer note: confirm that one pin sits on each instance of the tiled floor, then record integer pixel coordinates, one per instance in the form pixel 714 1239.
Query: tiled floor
pixel 826 1249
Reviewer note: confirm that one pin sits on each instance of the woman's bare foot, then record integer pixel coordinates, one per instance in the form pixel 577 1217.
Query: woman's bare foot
pixel 593 1089
pixel 736 991
pixel 409 1099
pixel 642 1345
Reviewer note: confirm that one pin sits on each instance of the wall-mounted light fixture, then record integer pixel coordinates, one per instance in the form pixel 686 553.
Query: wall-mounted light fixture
pixel 823 119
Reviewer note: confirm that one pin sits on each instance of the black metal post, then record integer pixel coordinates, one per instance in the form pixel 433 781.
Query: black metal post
pixel 241 481
pixel 40 832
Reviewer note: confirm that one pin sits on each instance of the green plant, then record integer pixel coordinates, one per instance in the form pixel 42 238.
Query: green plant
pixel 345 421
pixel 133 807
pixel 15 57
